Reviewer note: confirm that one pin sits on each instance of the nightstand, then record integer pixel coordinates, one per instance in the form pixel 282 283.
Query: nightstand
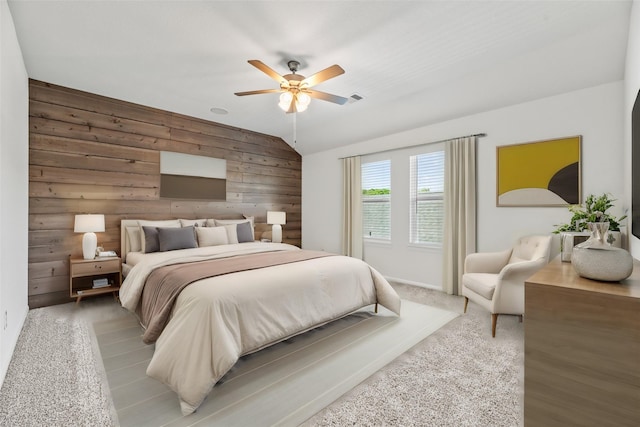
pixel 88 277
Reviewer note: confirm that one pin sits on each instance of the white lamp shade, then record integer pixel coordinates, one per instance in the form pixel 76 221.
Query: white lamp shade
pixel 89 223
pixel 274 217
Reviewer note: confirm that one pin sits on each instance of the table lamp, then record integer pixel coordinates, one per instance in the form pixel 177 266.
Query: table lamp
pixel 276 219
pixel 89 225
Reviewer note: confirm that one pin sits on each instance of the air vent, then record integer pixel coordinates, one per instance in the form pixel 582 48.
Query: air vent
pixel 355 98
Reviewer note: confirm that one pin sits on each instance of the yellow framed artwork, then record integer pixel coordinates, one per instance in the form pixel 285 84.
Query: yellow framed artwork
pixel 541 173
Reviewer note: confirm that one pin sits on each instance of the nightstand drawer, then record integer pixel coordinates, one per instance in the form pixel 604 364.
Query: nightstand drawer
pixel 96 267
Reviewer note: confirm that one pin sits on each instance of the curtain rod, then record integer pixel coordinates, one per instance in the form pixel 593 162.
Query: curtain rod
pixel 477 135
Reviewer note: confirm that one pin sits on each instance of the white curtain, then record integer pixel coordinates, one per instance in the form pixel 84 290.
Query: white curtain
pixel 352 211
pixel 459 209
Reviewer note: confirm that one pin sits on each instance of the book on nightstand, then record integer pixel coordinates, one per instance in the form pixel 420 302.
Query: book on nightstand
pixel 100 283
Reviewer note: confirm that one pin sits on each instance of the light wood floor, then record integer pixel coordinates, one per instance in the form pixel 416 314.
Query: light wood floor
pixel 282 385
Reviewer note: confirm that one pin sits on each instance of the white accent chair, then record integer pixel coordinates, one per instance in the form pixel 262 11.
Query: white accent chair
pixel 495 280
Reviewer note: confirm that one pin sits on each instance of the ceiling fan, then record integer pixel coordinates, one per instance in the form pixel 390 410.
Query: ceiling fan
pixel 296 88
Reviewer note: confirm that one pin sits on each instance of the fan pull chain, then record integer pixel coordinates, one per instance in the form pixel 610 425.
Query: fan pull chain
pixel 295 130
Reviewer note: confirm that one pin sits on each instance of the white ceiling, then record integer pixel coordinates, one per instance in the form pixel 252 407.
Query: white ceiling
pixel 414 62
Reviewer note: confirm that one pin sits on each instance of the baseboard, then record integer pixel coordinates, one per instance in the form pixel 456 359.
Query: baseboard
pixel 9 347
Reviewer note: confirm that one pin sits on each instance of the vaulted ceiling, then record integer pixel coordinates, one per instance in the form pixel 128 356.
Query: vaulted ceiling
pixel 413 63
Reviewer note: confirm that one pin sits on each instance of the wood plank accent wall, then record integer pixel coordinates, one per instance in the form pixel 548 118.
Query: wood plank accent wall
pixel 92 154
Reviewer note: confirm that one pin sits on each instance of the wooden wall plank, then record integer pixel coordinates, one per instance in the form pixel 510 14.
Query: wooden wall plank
pixel 95 120
pixel 71 176
pixel 90 162
pixel 248 188
pixel 78 146
pixel 43 300
pixel 42 126
pixel 198 149
pixel 92 154
pixel 48 285
pixel 128 209
pixel 89 191
pixel 41 270
pixel 58 95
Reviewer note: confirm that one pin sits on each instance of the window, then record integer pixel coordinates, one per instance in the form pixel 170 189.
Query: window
pixel 426 198
pixel 376 200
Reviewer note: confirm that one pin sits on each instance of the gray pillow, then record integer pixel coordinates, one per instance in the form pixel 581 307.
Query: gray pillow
pixel 176 238
pixel 150 239
pixel 244 232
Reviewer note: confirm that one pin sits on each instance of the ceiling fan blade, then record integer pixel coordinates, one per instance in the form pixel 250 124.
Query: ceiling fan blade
pixel 321 76
pixel 327 97
pixel 267 70
pixel 256 92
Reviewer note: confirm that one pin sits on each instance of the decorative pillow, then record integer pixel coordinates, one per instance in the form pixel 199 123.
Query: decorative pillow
pixel 245 232
pixel 194 222
pixel 133 233
pixel 176 238
pixel 219 222
pixel 212 236
pixel 151 243
pixel 166 223
pixel 232 233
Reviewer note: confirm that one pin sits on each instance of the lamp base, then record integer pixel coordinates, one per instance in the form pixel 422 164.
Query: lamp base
pixel 89 245
pixel 276 233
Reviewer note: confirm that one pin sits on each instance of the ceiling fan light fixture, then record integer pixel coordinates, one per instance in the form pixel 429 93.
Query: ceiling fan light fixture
pixel 285 100
pixel 301 107
pixel 303 99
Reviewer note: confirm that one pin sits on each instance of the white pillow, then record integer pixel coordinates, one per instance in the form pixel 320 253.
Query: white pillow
pixel 212 236
pixel 167 223
pixel 219 222
pixel 232 232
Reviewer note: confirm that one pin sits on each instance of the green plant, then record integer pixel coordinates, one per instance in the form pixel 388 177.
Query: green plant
pixel 594 210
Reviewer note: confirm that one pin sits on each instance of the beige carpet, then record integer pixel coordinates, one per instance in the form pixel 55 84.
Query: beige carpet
pixel 282 385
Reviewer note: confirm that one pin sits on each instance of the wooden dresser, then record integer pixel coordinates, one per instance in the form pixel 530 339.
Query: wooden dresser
pixel 582 349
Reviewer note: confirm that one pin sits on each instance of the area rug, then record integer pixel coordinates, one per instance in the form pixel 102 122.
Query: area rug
pixel 53 378
pixel 459 376
pixel 283 385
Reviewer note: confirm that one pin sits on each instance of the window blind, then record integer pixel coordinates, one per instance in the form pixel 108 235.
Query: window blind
pixel 426 202
pixel 376 200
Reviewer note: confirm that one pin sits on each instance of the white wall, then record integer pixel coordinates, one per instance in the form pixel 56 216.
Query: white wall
pixel 631 87
pixel 595 113
pixel 14 188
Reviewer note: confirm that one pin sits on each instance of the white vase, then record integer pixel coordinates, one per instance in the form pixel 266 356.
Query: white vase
pixel 596 259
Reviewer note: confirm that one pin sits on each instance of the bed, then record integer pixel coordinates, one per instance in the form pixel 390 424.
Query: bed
pixel 238 298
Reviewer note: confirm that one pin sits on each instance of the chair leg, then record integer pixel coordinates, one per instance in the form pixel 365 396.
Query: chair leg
pixel 520 317
pixel 494 320
pixel 466 301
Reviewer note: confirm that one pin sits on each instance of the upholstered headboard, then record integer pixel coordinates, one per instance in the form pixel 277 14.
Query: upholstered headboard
pixel 125 244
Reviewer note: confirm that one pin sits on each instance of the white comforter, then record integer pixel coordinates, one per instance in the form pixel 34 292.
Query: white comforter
pixel 217 320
